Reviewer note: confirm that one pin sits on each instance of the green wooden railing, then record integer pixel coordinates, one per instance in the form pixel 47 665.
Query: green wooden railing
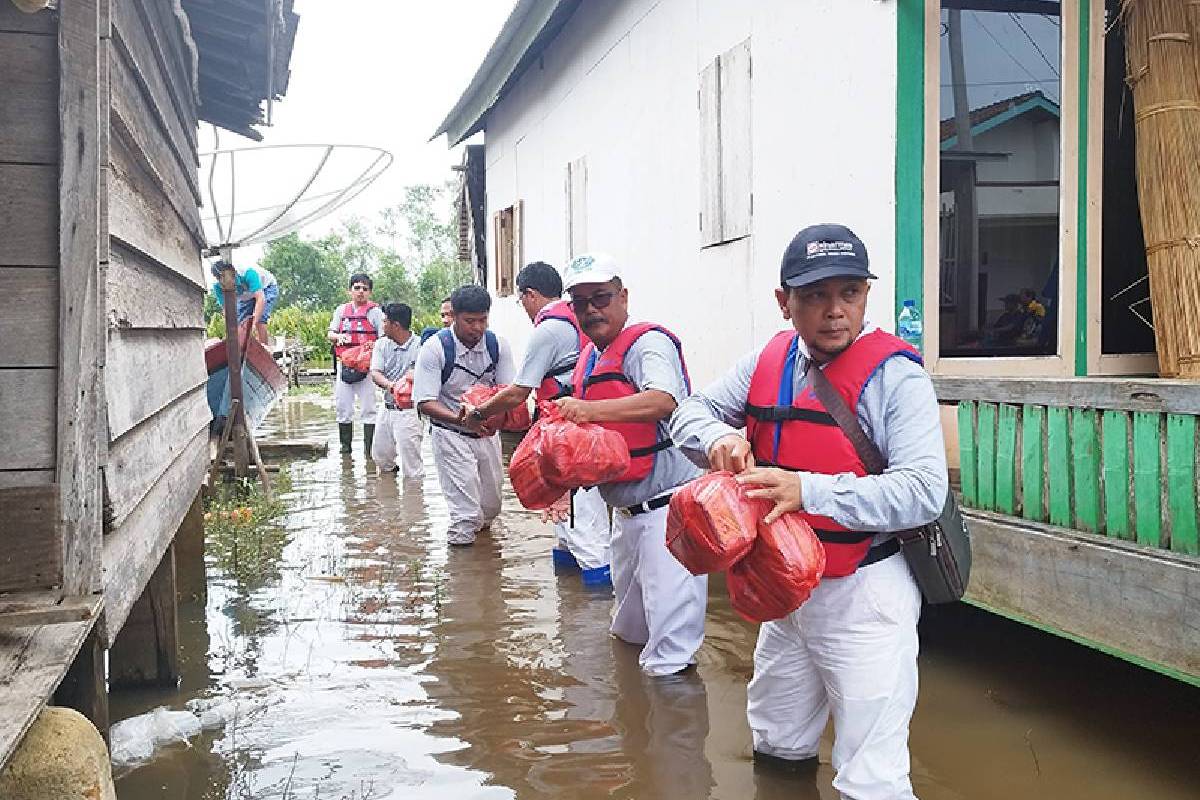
pixel 1111 457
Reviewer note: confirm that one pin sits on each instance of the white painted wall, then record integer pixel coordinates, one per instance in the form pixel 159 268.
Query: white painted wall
pixel 619 86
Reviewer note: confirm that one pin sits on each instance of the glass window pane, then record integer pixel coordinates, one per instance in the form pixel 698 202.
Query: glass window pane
pixel 999 180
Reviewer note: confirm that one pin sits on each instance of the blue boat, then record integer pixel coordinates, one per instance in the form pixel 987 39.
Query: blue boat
pixel 263 382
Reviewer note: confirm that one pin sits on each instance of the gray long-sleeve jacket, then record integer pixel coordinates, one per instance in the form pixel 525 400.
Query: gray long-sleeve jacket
pixel 897 409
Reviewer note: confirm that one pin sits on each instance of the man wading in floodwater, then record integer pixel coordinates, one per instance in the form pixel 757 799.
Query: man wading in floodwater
pixel 449 363
pixel 583 535
pixel 630 379
pixel 851 649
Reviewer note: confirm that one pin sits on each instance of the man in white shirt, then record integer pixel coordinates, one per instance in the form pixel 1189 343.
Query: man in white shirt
pixel 397 443
pixel 450 362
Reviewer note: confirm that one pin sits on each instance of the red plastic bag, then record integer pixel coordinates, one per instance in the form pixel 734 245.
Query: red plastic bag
pixel 712 523
pixel 358 357
pixel 525 472
pixel 516 419
pixel 576 455
pixel 402 391
pixel 783 567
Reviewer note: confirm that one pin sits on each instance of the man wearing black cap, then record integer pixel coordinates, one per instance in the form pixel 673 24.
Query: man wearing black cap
pixel 851 649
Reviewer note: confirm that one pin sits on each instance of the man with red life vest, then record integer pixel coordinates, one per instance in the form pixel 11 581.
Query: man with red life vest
pixel 582 527
pixel 468 461
pixel 354 323
pixel 630 378
pixel 851 649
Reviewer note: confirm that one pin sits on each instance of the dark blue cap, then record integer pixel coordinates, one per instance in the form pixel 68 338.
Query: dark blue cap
pixel 823 251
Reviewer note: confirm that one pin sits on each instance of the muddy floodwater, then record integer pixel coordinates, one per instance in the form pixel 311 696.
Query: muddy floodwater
pixel 365 660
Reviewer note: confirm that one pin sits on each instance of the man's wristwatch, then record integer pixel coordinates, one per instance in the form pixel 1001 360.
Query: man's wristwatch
pixel 477 415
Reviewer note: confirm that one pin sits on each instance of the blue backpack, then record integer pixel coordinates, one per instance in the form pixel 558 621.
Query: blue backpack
pixel 446 336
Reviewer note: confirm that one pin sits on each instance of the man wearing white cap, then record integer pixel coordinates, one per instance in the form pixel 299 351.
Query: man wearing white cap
pixel 630 378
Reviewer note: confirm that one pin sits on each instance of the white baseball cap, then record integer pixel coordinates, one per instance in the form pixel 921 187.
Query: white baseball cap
pixel 590 268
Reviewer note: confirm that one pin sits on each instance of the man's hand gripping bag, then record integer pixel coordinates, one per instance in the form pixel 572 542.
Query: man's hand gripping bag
pixel 711 523
pixel 402 391
pixel 576 455
pixel 515 420
pixel 783 567
pixel 525 471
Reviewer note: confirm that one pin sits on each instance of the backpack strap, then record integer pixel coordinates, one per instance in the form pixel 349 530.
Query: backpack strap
pixel 450 363
pixel 446 337
pixel 493 349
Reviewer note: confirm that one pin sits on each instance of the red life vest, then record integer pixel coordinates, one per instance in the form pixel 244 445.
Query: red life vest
pixel 799 434
pixel 357 325
pixel 550 388
pixel 601 376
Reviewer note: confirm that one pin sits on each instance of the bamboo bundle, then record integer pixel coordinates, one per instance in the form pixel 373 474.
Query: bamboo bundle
pixel 1163 68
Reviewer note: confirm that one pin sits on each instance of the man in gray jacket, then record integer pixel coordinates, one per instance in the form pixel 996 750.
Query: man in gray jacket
pixel 851 649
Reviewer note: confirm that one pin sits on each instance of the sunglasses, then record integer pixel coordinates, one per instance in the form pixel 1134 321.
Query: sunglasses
pixel 597 301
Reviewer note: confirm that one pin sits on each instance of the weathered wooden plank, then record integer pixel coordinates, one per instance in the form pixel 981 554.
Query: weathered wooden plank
pixel 1058 466
pixel 1117 487
pixel 83 688
pixel 142 218
pixel 985 444
pixel 966 452
pixel 17 614
pixel 709 102
pixel 138 458
pixel 12 20
pixel 144 294
pixel 81 343
pixel 1006 459
pixel 146 651
pixel 1125 394
pixel 190 576
pixel 28 398
pixel 1147 488
pixel 736 143
pixel 1120 597
pixel 33 662
pixel 140 124
pixel 12 478
pixel 30 547
pixel 29 215
pixel 167 40
pixel 29 102
pixel 147 370
pixel 1033 463
pixel 1085 463
pixel 29 317
pixel 1181 482
pixel 131 41
pixel 134 549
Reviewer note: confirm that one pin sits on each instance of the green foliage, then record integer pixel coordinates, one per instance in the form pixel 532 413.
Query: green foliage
pixel 310 327
pixel 243 532
pixel 312 274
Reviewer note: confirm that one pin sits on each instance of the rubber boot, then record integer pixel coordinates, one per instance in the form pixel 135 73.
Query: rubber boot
pixel 368 437
pixel 346 434
pixel 563 558
pixel 793 766
pixel 597 576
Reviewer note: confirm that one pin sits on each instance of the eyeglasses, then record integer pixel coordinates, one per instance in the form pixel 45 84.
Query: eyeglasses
pixel 597 301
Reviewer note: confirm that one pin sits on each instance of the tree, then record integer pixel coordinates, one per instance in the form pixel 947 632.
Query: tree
pixel 312 274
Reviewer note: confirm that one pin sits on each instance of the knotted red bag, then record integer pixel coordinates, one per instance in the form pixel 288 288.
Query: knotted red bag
pixel 515 420
pixel 576 455
pixel 783 567
pixel 358 357
pixel 402 391
pixel 711 523
pixel 525 471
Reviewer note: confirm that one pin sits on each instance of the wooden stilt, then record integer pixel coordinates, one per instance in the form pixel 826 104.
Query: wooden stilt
pixel 146 651
pixel 83 687
pixel 190 578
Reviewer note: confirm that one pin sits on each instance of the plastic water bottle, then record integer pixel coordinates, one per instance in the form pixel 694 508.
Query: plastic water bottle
pixel 909 326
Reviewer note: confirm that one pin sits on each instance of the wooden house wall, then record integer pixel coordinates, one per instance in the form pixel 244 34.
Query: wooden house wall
pixel 154 293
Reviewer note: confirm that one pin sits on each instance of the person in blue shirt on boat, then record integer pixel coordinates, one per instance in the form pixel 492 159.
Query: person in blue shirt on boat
pixel 257 293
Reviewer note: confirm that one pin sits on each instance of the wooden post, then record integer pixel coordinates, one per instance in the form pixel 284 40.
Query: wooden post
pixel 83 686
pixel 190 578
pixel 233 361
pixel 146 651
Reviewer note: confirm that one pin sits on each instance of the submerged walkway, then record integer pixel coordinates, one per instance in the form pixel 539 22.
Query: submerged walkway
pixel 368 661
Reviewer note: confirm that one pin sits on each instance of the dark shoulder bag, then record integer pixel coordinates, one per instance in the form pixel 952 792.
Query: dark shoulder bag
pixel 939 554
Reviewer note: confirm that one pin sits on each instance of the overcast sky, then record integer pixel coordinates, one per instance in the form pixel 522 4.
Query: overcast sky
pixel 382 73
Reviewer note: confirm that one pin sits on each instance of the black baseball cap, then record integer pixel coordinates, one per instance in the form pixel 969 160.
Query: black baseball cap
pixel 823 251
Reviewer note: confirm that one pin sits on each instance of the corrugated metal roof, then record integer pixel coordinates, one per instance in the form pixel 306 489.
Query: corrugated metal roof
pixel 531 26
pixel 245 47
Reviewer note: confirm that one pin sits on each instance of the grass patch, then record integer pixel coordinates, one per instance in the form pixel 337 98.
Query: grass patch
pixel 244 532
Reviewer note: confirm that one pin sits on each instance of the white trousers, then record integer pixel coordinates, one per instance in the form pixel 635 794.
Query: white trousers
pixel 470 473
pixel 344 394
pixel 398 440
pixel 659 603
pixel 850 650
pixel 589 534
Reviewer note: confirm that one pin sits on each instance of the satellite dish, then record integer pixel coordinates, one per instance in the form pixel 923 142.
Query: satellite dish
pixel 255 194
